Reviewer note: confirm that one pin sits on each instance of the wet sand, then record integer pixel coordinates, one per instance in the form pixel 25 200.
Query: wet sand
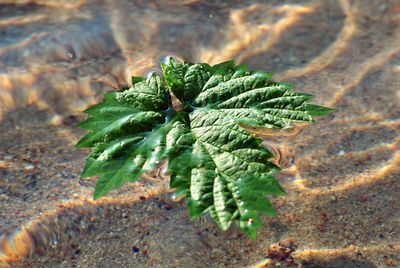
pixel 57 58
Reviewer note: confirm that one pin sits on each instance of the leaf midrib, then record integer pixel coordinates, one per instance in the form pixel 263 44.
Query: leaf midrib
pixel 224 175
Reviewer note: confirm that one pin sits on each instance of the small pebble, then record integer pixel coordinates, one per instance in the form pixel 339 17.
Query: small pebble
pixel 28 166
pixel 4 197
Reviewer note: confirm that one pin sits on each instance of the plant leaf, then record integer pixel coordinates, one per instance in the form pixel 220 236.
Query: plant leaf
pixel 230 174
pixel 213 160
pixel 211 170
pixel 128 134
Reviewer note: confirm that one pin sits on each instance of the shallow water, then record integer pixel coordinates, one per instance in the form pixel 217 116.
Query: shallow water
pixel 59 57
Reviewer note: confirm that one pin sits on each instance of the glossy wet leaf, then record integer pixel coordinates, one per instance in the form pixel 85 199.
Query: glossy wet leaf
pixel 128 133
pixel 217 164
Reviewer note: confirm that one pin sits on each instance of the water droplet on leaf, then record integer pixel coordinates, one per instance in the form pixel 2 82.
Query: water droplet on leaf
pixel 166 57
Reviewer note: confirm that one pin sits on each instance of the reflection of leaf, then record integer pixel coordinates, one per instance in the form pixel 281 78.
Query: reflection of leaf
pixel 216 163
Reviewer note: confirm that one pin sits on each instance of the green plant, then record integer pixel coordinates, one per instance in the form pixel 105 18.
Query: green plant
pixel 216 163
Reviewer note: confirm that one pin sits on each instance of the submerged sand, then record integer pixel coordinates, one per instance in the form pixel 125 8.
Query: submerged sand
pixel 59 57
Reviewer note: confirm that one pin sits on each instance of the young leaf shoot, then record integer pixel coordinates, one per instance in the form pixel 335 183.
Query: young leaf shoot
pixel 216 163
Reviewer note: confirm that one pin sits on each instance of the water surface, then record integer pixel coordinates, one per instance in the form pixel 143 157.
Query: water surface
pixel 59 57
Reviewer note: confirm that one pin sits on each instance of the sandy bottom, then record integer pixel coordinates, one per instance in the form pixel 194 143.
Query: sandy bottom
pixel 343 185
